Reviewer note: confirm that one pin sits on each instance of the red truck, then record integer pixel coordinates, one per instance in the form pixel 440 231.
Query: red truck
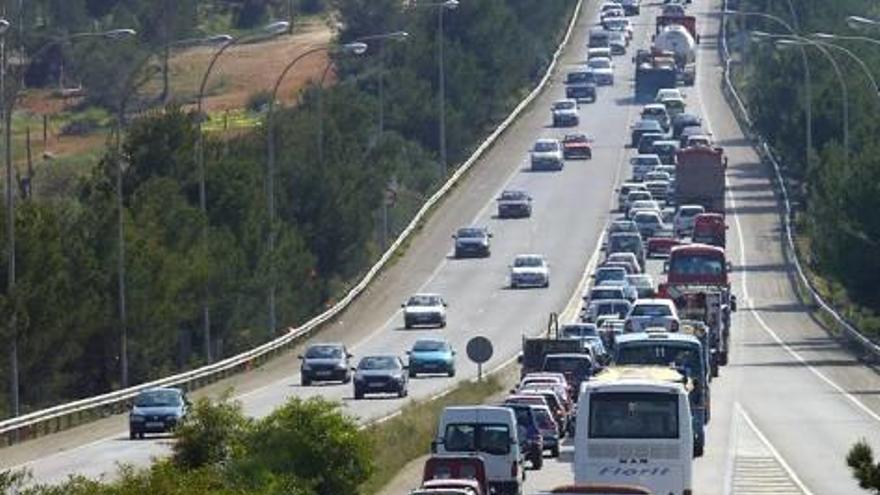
pixel 709 228
pixel 699 173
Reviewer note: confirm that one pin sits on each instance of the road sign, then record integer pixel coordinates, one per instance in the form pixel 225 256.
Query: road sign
pixel 479 350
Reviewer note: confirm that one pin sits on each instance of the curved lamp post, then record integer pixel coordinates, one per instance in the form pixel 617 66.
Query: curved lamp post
pixel 227 42
pixel 849 53
pixel 782 41
pixel 808 92
pixel 356 48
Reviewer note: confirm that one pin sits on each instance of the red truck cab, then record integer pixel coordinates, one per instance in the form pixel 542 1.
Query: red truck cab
pixel 696 264
pixel 709 228
pixel 456 467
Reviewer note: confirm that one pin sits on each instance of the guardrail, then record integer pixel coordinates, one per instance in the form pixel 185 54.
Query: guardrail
pixel 78 412
pixel 804 285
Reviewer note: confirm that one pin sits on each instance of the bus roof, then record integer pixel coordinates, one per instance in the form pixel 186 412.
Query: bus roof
pixel 656 337
pixel 696 248
pixel 641 376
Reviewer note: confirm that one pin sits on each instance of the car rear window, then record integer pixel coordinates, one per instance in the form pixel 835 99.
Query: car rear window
pixel 493 439
pixel 651 310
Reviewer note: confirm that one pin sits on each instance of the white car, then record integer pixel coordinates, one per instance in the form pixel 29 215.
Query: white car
pixel 529 270
pixel 657 175
pixel 667 93
pixel 603 70
pixel 565 113
pixel 636 195
pixel 656 112
pixel 598 52
pixel 683 222
pixel 642 205
pixel 642 164
pixel 647 313
pixel 424 309
pixel 547 155
pixel 619 24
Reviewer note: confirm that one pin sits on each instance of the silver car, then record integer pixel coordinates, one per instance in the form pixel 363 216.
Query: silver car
pixel 547 155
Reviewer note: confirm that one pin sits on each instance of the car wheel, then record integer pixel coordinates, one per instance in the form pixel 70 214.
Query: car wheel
pixel 402 391
pixel 346 378
pixel 407 324
pixel 412 372
pixel 554 452
pixel 443 323
pixel 304 381
pixel 547 283
pixel 538 462
pixel 358 394
pixel 141 435
pixel 590 155
pixel 132 435
pixel 451 372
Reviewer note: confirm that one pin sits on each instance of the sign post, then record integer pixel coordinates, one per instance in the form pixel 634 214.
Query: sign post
pixel 479 350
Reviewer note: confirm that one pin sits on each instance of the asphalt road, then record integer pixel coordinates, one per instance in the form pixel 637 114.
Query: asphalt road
pixel 792 400
pixel 786 408
pixel 570 211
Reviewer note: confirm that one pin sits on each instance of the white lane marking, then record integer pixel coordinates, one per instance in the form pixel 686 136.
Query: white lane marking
pixel 750 304
pixel 775 453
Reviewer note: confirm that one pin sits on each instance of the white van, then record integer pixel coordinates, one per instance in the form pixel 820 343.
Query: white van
pixel 634 427
pixel 491 432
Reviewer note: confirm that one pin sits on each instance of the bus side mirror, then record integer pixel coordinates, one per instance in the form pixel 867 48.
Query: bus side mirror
pixel 434 446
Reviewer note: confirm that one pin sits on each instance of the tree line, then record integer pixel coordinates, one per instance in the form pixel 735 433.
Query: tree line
pixel 836 187
pixel 333 168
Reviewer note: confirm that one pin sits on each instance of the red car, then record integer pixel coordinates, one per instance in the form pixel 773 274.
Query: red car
pixel 577 146
pixel 456 467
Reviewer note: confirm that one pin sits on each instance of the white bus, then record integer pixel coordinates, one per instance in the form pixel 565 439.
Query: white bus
pixel 634 428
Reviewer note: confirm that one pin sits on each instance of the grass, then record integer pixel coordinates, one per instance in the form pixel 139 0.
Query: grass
pixel 408 435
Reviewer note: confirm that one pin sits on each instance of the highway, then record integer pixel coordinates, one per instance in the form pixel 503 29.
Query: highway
pixel 570 211
pixel 792 401
pixel 785 410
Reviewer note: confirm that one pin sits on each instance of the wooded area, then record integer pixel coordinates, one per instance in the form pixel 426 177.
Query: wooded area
pixel 837 189
pixel 328 192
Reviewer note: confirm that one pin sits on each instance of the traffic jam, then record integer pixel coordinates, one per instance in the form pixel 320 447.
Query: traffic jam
pixel 628 383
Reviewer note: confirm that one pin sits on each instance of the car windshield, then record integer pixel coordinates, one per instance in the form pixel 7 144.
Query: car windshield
pixel 423 300
pixel 546 146
pixel 604 274
pixel 629 243
pixel 493 439
pixel 545 420
pixel 430 346
pixel 633 415
pixel 600 63
pixel 379 363
pixel 564 105
pixel 528 261
pixel 324 352
pixel 679 354
pixel 158 398
pixel 470 233
pixel 577 331
pixel 578 77
pixel 653 310
pixel 513 195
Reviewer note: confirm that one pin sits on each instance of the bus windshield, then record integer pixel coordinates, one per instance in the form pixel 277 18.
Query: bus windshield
pixel 661 354
pixel 704 264
pixel 642 415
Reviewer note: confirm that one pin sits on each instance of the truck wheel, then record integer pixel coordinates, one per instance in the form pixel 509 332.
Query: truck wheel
pixel 722 358
pixel 714 370
pixel 554 452
pixel 698 449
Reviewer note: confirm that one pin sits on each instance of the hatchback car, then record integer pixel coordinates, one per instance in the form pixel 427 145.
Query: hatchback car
pixel 472 241
pixel 424 309
pixel 684 219
pixel 647 313
pixel 514 204
pixel 603 70
pixel 641 127
pixel 656 111
pixel 642 164
pixel 546 154
pixel 324 363
pixel 616 308
pixel 666 93
pixel 431 355
pixel 565 113
pixel 649 222
pixel 384 373
pixel 157 410
pixel 666 150
pixel 577 146
pixel 623 193
pixel 628 258
pixel 627 242
pixel 529 270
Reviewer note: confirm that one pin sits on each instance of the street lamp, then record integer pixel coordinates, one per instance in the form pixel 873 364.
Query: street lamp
pixel 849 53
pixel 857 22
pixel 395 36
pixel 356 48
pixel 226 41
pixel 808 92
pixel 441 75
pixel 9 96
pixel 800 41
